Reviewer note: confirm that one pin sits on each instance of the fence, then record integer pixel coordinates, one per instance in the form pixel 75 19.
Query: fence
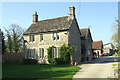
pixel 12 57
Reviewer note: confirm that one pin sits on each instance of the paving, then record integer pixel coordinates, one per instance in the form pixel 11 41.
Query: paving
pixel 99 68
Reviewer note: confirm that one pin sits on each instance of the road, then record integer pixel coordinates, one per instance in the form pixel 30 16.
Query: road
pixel 98 68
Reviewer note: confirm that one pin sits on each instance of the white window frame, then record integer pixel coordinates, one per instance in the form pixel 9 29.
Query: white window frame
pixel 31 54
pixel 41 37
pixel 56 36
pixel 31 38
pixel 55 52
pixel 41 53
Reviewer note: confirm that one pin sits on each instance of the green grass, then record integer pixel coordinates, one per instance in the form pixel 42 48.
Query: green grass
pixel 20 70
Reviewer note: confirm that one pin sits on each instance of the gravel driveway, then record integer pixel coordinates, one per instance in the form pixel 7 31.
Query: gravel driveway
pixel 98 68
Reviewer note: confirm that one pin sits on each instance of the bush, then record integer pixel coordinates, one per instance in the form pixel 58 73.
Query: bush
pixel 116 54
pixel 55 61
pixel 64 55
pixel 30 61
pixel 59 60
pixel 52 61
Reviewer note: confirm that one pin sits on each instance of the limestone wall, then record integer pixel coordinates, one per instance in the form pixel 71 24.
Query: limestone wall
pixel 75 40
pixel 88 45
pixel 46 42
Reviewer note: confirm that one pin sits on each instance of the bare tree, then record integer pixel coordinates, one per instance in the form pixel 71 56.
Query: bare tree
pixel 14 38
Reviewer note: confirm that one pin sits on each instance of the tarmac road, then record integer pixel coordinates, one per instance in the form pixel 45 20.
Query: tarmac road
pixel 98 68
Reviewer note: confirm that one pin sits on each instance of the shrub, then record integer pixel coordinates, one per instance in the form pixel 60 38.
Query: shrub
pixel 64 55
pixel 56 61
pixel 30 61
pixel 59 61
pixel 50 59
pixel 116 54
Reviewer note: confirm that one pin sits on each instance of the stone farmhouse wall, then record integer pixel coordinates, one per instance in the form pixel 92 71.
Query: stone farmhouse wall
pixel 75 40
pixel 46 43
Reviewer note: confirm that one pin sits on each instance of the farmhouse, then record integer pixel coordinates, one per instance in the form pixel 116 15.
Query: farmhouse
pixel 86 39
pixel 108 49
pixel 53 32
pixel 97 47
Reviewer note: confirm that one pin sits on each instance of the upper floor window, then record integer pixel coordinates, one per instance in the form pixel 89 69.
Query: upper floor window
pixel 41 37
pixel 55 36
pixel 31 38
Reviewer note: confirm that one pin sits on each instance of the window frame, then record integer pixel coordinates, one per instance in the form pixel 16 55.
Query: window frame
pixel 56 36
pixel 41 37
pixel 41 53
pixel 31 38
pixel 55 52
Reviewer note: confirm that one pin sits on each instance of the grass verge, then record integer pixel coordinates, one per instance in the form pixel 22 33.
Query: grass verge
pixel 38 71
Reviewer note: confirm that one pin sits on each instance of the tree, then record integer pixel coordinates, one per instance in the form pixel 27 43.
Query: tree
pixel 116 41
pixel 116 34
pixel 14 38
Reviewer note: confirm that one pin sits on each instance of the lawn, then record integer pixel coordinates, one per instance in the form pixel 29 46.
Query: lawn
pixel 40 71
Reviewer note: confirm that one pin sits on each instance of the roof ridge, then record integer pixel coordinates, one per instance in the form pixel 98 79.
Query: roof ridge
pixel 54 24
pixel 85 28
pixel 53 18
pixel 107 43
pixel 97 41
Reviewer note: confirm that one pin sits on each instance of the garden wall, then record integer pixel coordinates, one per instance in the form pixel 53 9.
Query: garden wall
pixel 12 57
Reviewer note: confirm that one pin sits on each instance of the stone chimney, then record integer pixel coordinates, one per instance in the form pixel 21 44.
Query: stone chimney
pixel 72 12
pixel 35 18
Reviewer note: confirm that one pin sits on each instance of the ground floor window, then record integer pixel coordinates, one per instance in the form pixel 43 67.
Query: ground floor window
pixel 31 54
pixel 41 53
pixel 55 52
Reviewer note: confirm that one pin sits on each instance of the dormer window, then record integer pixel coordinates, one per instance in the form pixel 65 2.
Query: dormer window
pixel 55 36
pixel 41 37
pixel 31 38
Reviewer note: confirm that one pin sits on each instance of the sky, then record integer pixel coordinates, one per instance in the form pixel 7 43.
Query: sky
pixel 98 16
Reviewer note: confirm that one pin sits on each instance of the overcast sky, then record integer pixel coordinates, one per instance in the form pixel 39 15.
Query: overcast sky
pixel 99 16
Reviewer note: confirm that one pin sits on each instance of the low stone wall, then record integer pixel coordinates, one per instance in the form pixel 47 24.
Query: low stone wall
pixel 12 57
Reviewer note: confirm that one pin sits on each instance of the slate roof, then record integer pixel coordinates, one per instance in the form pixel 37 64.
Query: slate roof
pixel 107 44
pixel 97 45
pixel 55 24
pixel 84 32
